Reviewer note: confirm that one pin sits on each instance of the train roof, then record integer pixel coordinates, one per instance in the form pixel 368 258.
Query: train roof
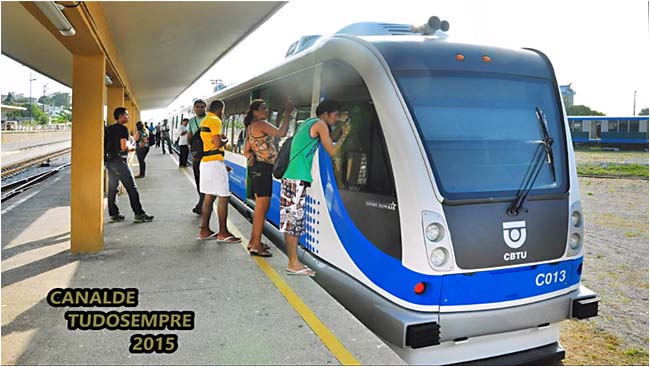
pixel 413 53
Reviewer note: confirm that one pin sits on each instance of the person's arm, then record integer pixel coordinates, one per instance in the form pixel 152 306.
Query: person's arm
pixel 281 132
pixel 136 136
pixel 320 129
pixel 248 151
pixel 184 130
pixel 216 140
pixel 189 130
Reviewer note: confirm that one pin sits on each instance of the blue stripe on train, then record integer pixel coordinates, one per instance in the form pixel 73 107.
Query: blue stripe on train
pixel 389 274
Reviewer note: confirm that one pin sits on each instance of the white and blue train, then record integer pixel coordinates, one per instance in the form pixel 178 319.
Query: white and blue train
pixel 450 224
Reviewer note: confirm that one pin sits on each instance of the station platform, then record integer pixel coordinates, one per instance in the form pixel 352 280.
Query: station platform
pixel 247 311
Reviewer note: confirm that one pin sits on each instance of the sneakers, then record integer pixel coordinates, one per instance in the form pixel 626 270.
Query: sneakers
pixel 139 176
pixel 116 218
pixel 144 217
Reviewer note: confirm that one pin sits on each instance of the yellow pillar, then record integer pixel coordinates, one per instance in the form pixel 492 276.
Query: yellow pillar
pixel 86 199
pixel 129 106
pixel 115 99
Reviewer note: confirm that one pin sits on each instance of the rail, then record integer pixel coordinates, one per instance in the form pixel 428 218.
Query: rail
pixel 13 168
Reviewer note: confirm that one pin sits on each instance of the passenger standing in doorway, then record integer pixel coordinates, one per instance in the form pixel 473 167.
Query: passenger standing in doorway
pixel 261 154
pixel 214 176
pixel 118 170
pixel 164 134
pixel 141 146
pixel 196 147
pixel 297 177
pixel 183 143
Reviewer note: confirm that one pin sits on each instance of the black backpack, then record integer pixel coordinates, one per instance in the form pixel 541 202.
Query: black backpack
pixel 196 144
pixel 108 145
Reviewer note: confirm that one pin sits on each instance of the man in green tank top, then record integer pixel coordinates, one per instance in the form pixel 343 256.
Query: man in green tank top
pixel 298 177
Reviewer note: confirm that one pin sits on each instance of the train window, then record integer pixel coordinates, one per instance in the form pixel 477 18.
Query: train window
pixel 634 126
pixel 362 167
pixel 469 133
pixel 612 126
pixel 623 126
pixel 298 87
pixel 576 125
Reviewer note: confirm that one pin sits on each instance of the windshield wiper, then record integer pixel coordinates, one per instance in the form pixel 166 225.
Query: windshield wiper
pixel 535 166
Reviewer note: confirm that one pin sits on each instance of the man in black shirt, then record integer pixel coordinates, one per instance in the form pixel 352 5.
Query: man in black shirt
pixel 116 152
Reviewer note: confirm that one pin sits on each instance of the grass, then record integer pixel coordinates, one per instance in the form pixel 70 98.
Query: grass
pixel 614 170
pixel 588 346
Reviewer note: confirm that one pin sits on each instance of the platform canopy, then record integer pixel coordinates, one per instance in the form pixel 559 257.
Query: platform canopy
pixel 155 49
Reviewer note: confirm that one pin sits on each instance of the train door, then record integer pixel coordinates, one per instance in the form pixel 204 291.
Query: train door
pixel 595 130
pixel 362 167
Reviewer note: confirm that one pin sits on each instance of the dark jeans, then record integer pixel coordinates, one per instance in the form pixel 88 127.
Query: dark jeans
pixel 169 144
pixel 157 139
pixel 142 153
pixel 185 151
pixel 118 170
pixel 197 179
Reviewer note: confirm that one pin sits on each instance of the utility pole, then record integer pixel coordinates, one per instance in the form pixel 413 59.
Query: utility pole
pixel 634 108
pixel 44 93
pixel 30 97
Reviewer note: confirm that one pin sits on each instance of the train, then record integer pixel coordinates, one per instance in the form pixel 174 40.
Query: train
pixel 629 132
pixel 450 223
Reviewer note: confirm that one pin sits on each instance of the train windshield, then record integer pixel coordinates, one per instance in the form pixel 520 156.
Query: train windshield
pixel 481 132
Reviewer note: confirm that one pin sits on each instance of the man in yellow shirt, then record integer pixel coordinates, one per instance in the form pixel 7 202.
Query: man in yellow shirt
pixel 214 175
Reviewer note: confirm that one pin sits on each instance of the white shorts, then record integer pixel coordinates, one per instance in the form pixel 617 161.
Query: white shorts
pixel 214 178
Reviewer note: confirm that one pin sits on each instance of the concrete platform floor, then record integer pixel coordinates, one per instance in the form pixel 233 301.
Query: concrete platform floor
pixel 241 316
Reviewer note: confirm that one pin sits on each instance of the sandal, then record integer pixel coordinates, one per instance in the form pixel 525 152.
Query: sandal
pixel 210 237
pixel 229 239
pixel 264 253
pixel 305 271
pixel 264 246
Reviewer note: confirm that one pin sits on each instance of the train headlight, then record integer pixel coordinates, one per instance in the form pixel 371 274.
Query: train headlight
pixel 576 219
pixel 439 256
pixel 575 241
pixel 434 232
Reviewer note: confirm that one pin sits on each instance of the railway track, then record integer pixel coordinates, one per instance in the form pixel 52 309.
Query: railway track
pixel 13 168
pixel 19 186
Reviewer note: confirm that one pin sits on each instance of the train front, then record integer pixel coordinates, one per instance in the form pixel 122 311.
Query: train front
pixel 504 235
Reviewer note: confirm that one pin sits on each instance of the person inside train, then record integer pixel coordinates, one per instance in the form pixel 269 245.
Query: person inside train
pixel 261 153
pixel 297 177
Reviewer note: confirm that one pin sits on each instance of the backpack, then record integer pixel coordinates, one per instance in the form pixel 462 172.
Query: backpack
pixel 284 156
pixel 196 144
pixel 107 146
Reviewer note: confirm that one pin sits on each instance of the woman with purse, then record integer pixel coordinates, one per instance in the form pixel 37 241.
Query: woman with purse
pixel 261 154
pixel 142 146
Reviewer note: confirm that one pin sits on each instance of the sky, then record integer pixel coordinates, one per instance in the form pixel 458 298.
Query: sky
pixel 601 47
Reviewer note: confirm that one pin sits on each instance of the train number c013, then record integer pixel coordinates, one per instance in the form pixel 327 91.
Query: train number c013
pixel 549 278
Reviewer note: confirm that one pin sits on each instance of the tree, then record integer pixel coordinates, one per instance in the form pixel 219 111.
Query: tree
pixel 63 117
pixel 45 100
pixel 644 112
pixel 60 99
pixel 581 110
pixel 9 99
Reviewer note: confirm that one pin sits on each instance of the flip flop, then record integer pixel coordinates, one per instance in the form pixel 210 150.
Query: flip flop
pixel 306 271
pixel 260 254
pixel 229 239
pixel 264 246
pixel 212 236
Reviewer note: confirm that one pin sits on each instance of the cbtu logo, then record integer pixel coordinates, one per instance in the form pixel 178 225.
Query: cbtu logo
pixel 514 233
